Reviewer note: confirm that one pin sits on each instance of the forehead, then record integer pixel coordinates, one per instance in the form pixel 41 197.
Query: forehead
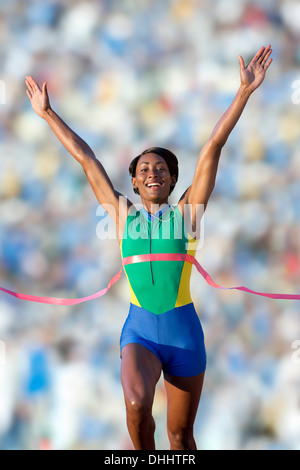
pixel 151 158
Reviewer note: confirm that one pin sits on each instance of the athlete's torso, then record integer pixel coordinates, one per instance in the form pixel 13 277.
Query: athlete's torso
pixel 158 286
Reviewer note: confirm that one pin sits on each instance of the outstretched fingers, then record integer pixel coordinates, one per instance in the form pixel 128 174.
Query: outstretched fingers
pixel 30 87
pixel 263 55
pixel 28 94
pixel 267 65
pixel 265 60
pixel 258 55
pixel 31 84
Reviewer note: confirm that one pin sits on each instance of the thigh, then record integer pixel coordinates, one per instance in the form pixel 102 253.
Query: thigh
pixel 140 372
pixel 183 395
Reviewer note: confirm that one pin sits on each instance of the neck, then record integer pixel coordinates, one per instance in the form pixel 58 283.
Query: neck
pixel 153 207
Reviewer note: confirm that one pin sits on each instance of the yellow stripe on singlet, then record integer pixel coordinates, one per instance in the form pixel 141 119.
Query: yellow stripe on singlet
pixel 184 296
pixel 133 298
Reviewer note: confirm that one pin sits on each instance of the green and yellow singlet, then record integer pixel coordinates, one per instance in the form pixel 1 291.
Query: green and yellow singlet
pixel 161 285
pixel 162 317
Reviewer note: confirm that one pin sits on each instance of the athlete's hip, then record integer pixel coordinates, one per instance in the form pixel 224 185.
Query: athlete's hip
pixel 180 327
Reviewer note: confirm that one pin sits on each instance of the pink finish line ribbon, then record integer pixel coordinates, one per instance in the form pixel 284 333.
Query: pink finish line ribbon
pixel 58 301
pixel 142 259
pixel 204 274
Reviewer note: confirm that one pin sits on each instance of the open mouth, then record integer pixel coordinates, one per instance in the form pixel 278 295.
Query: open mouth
pixel 154 185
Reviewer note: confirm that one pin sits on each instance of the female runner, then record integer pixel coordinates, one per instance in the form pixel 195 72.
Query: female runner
pixel 162 331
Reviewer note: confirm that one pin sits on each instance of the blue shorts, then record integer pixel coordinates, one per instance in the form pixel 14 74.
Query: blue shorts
pixel 175 337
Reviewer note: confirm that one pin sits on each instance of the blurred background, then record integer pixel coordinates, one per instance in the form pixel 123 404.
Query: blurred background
pixel 125 76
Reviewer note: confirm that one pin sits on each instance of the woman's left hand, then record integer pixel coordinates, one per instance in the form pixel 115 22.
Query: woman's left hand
pixel 253 75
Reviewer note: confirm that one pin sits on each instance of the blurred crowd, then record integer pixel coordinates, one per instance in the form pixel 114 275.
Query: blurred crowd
pixel 126 76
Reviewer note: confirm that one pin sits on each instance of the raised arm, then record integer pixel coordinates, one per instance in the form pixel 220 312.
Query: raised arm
pixel 204 178
pixel 103 188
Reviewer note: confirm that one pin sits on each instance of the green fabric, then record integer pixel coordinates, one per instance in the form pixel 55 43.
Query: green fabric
pixel 155 284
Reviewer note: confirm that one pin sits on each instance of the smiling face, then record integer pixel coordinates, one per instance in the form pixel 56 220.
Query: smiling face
pixel 152 179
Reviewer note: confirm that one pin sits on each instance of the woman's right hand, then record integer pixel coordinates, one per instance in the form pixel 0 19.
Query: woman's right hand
pixel 38 97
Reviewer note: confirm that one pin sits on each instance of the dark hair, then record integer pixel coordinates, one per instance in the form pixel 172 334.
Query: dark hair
pixel 169 157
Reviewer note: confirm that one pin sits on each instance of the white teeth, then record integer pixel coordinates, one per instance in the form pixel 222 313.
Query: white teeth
pixel 153 184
